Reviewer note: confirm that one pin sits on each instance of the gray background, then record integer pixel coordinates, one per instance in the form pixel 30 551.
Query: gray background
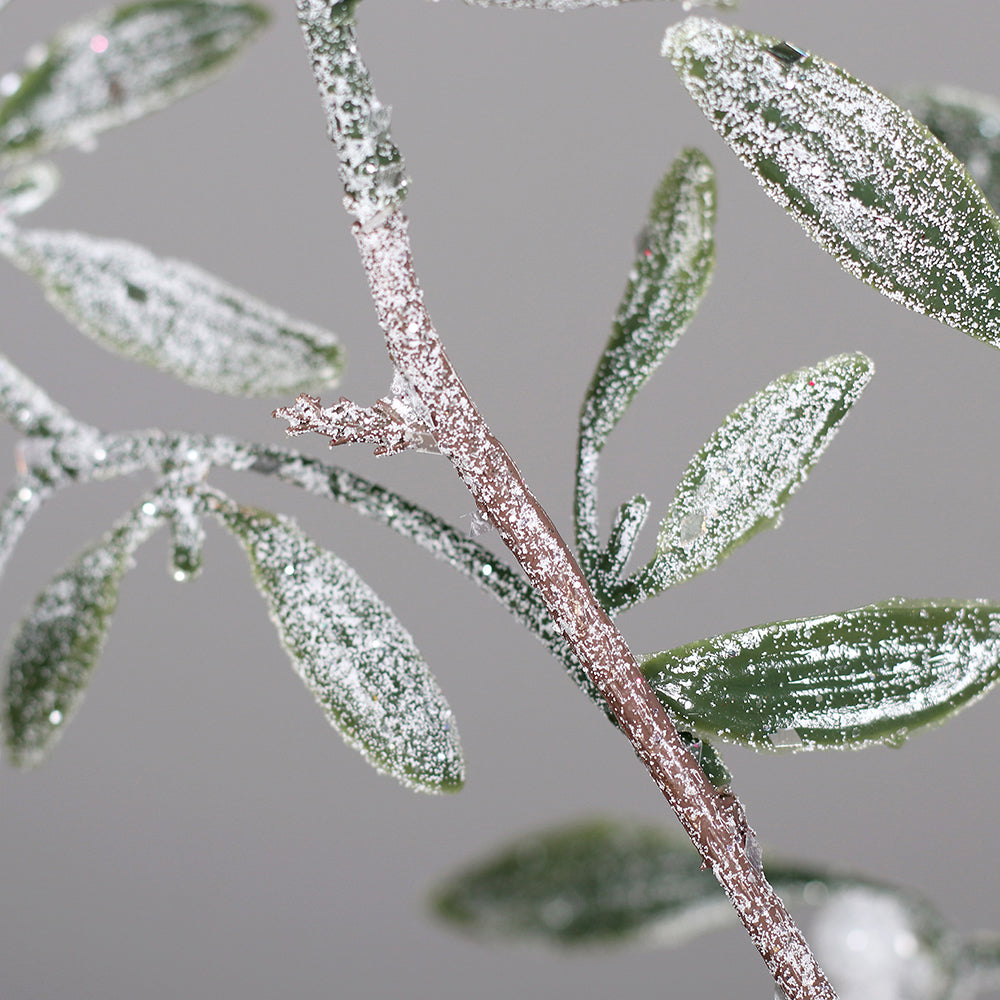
pixel 200 831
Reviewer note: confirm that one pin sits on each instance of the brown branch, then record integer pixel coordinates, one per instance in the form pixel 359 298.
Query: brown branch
pixel 713 819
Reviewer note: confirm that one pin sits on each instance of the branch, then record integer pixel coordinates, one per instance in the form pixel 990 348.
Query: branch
pixel 713 819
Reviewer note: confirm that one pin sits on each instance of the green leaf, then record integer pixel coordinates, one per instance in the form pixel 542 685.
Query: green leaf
pixel 60 639
pixel 844 681
pixel 671 274
pixel 603 883
pixel 118 65
pixel 353 654
pixel 968 124
pixel 174 316
pixel 865 180
pixel 742 477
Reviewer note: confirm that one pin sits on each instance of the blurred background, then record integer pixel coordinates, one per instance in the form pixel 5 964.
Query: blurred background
pixel 200 830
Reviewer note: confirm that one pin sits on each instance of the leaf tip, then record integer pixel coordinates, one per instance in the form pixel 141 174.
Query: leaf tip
pixel 679 37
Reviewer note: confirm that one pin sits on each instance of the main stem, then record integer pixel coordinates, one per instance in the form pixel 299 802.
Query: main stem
pixel 713 819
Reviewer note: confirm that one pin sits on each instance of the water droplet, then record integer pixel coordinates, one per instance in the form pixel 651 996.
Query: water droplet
pixel 35 56
pixel 100 454
pixel 149 508
pixel 989 128
pixel 486 569
pixel 979 166
pixel 815 893
pixel 289 569
pixel 24 494
pixel 9 83
pixel 192 455
pixel 180 575
pixel 23 416
pixel 99 43
pixel 55 717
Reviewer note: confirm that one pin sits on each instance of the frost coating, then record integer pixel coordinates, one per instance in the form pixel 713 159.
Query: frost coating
pixel 60 639
pixel 371 166
pixel 118 65
pixel 968 124
pixel 872 675
pixel 352 653
pixel 174 316
pixel 742 477
pixel 865 180
pixel 671 274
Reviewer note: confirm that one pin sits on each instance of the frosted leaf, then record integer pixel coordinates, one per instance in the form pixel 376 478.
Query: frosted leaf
pixel 30 409
pixel 603 882
pixel 60 639
pixel 625 530
pixel 877 945
pixel 865 180
pixel 371 166
pixel 353 654
pixel 843 681
pixel 742 477
pixel 968 124
pixel 590 883
pixel 27 188
pixel 431 533
pixel 118 65
pixel 174 316
pixel 671 274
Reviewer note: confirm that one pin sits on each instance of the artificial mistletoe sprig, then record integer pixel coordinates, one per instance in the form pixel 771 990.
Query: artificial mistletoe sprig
pixel 887 199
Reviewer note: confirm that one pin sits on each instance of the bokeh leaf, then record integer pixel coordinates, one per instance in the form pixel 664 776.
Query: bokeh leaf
pixel 174 316
pixel 27 187
pixel 601 882
pixel 968 124
pixel 742 477
pixel 353 654
pixel 118 65
pixel 843 681
pixel 54 651
pixel 867 181
pixel 671 274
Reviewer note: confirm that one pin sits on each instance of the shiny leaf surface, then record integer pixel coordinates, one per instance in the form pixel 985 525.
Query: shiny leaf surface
pixel 872 675
pixel 865 180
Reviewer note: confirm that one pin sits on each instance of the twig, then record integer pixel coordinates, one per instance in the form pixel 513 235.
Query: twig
pixel 371 168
